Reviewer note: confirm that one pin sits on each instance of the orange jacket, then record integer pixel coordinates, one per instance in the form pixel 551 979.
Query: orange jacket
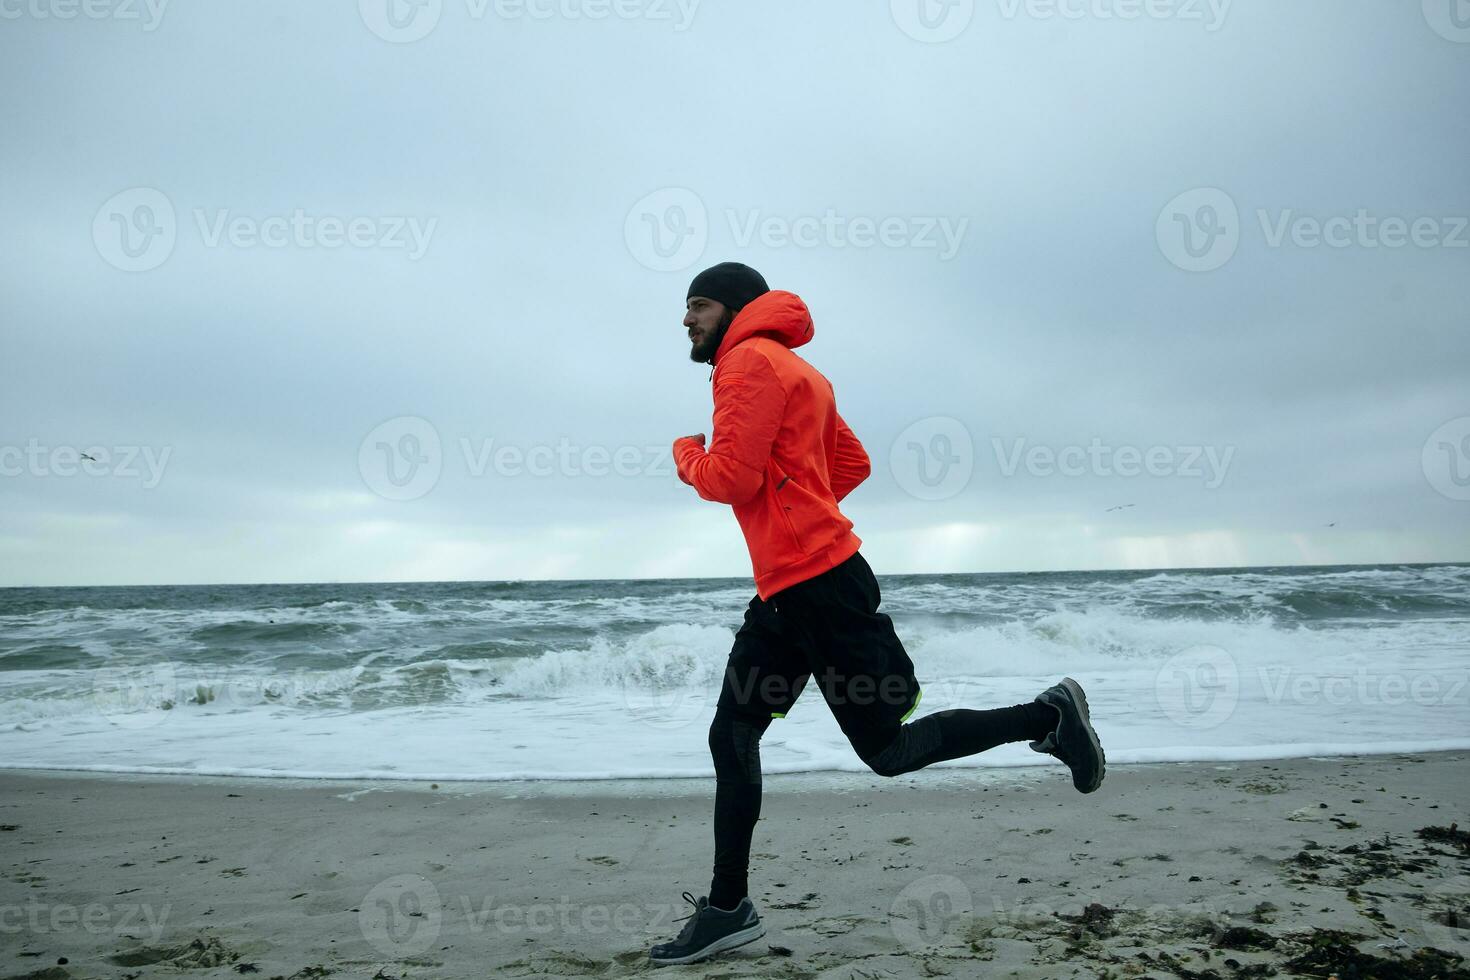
pixel 779 454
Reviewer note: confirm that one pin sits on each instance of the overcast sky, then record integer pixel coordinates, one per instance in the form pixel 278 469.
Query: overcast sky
pixel 1099 283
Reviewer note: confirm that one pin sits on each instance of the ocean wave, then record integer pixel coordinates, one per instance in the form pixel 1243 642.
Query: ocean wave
pixel 1098 641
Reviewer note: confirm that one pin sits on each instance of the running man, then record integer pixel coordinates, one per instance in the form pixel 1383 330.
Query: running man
pixel 783 458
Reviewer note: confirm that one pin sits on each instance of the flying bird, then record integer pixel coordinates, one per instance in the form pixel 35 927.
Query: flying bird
pixel 1119 507
pixel 92 458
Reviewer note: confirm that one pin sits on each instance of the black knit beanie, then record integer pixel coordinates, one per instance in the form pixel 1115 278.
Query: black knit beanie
pixel 730 283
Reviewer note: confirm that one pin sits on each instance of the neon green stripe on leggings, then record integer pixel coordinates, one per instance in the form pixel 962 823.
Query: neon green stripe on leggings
pixel 917 698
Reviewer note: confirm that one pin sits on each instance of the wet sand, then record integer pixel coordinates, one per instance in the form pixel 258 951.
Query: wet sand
pixel 1302 867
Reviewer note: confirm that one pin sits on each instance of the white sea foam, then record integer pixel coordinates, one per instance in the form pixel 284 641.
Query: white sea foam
pixel 598 684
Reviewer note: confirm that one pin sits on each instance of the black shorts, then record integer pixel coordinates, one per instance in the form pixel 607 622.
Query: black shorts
pixel 827 628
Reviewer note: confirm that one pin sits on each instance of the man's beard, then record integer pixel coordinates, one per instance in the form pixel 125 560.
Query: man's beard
pixel 705 350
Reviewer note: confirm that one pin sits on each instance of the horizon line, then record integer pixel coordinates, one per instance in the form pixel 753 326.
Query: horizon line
pixel 721 578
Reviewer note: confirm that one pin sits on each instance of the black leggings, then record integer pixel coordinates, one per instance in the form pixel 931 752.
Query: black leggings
pixel 734 742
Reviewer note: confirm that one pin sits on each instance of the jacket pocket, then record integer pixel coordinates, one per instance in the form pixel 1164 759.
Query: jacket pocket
pixel 814 523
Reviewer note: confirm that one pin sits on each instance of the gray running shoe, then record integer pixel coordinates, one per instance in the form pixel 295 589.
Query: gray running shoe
pixel 709 931
pixel 1074 741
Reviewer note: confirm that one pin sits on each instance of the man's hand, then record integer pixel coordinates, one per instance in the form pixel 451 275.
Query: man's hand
pixel 698 440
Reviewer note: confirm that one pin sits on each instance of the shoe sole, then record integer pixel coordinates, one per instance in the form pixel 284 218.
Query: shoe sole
pixel 1079 700
pixel 721 945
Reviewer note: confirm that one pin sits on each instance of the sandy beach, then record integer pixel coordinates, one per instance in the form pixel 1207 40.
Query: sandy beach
pixel 1313 867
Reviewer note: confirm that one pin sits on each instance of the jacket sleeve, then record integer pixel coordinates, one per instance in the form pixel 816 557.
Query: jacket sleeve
pixel 749 406
pixel 850 465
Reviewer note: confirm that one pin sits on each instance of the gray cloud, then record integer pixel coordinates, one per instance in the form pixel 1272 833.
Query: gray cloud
pixel 521 144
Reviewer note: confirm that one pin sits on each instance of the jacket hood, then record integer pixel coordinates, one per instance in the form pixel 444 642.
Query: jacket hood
pixel 780 315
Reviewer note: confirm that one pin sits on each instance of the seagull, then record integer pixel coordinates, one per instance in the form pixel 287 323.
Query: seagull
pixel 1119 507
pixel 92 458
pixel 1333 524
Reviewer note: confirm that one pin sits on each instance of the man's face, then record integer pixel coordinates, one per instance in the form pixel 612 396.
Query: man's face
pixel 706 320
